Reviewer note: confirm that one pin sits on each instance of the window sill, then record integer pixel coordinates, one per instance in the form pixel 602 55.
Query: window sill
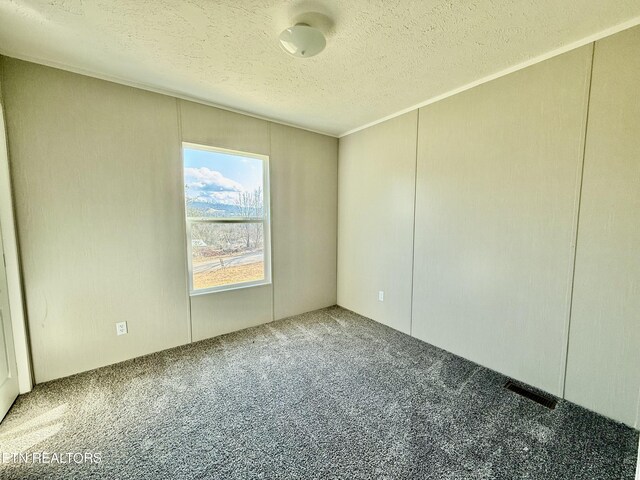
pixel 239 286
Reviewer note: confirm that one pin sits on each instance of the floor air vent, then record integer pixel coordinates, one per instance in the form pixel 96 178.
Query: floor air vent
pixel 531 395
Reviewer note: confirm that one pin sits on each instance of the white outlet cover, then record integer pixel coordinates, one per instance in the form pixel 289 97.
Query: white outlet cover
pixel 381 296
pixel 121 328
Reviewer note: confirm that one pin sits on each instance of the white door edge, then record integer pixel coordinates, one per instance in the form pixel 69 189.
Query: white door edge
pixel 12 260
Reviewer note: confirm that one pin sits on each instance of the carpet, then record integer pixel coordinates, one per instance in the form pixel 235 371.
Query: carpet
pixel 327 394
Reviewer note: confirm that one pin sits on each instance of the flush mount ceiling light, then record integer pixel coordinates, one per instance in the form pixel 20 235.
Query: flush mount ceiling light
pixel 302 40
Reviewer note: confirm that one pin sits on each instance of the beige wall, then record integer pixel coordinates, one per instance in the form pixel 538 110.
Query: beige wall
pixel 496 204
pixel 97 178
pixel 375 220
pixel 304 203
pixel 603 371
pixel 499 174
pixel 97 174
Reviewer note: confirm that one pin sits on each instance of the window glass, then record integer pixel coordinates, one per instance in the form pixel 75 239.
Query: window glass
pixel 227 218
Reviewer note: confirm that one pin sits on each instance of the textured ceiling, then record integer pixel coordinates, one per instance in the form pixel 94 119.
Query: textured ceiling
pixel 382 56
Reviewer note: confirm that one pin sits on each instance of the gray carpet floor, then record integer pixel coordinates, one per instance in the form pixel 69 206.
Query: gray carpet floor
pixel 328 394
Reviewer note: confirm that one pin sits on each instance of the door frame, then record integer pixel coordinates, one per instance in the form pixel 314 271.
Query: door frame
pixel 13 269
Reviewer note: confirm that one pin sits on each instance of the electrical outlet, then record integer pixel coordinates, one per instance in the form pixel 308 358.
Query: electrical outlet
pixel 121 328
pixel 381 296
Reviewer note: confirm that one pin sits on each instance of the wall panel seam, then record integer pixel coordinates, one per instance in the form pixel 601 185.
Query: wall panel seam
pixel 270 225
pixel 337 211
pixel 637 425
pixel 413 236
pixel 563 380
pixel 338 282
pixel 184 223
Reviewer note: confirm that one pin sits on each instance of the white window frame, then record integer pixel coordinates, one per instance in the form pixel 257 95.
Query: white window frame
pixel 265 220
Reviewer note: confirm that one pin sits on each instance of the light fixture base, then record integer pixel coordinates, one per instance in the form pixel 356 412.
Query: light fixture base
pixel 302 40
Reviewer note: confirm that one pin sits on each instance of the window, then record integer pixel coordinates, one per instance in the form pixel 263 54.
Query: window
pixel 227 212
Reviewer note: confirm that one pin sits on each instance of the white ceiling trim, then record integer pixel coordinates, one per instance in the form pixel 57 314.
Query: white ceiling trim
pixel 150 88
pixel 540 58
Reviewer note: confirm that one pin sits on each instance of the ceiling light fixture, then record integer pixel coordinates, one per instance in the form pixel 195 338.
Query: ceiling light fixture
pixel 302 40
